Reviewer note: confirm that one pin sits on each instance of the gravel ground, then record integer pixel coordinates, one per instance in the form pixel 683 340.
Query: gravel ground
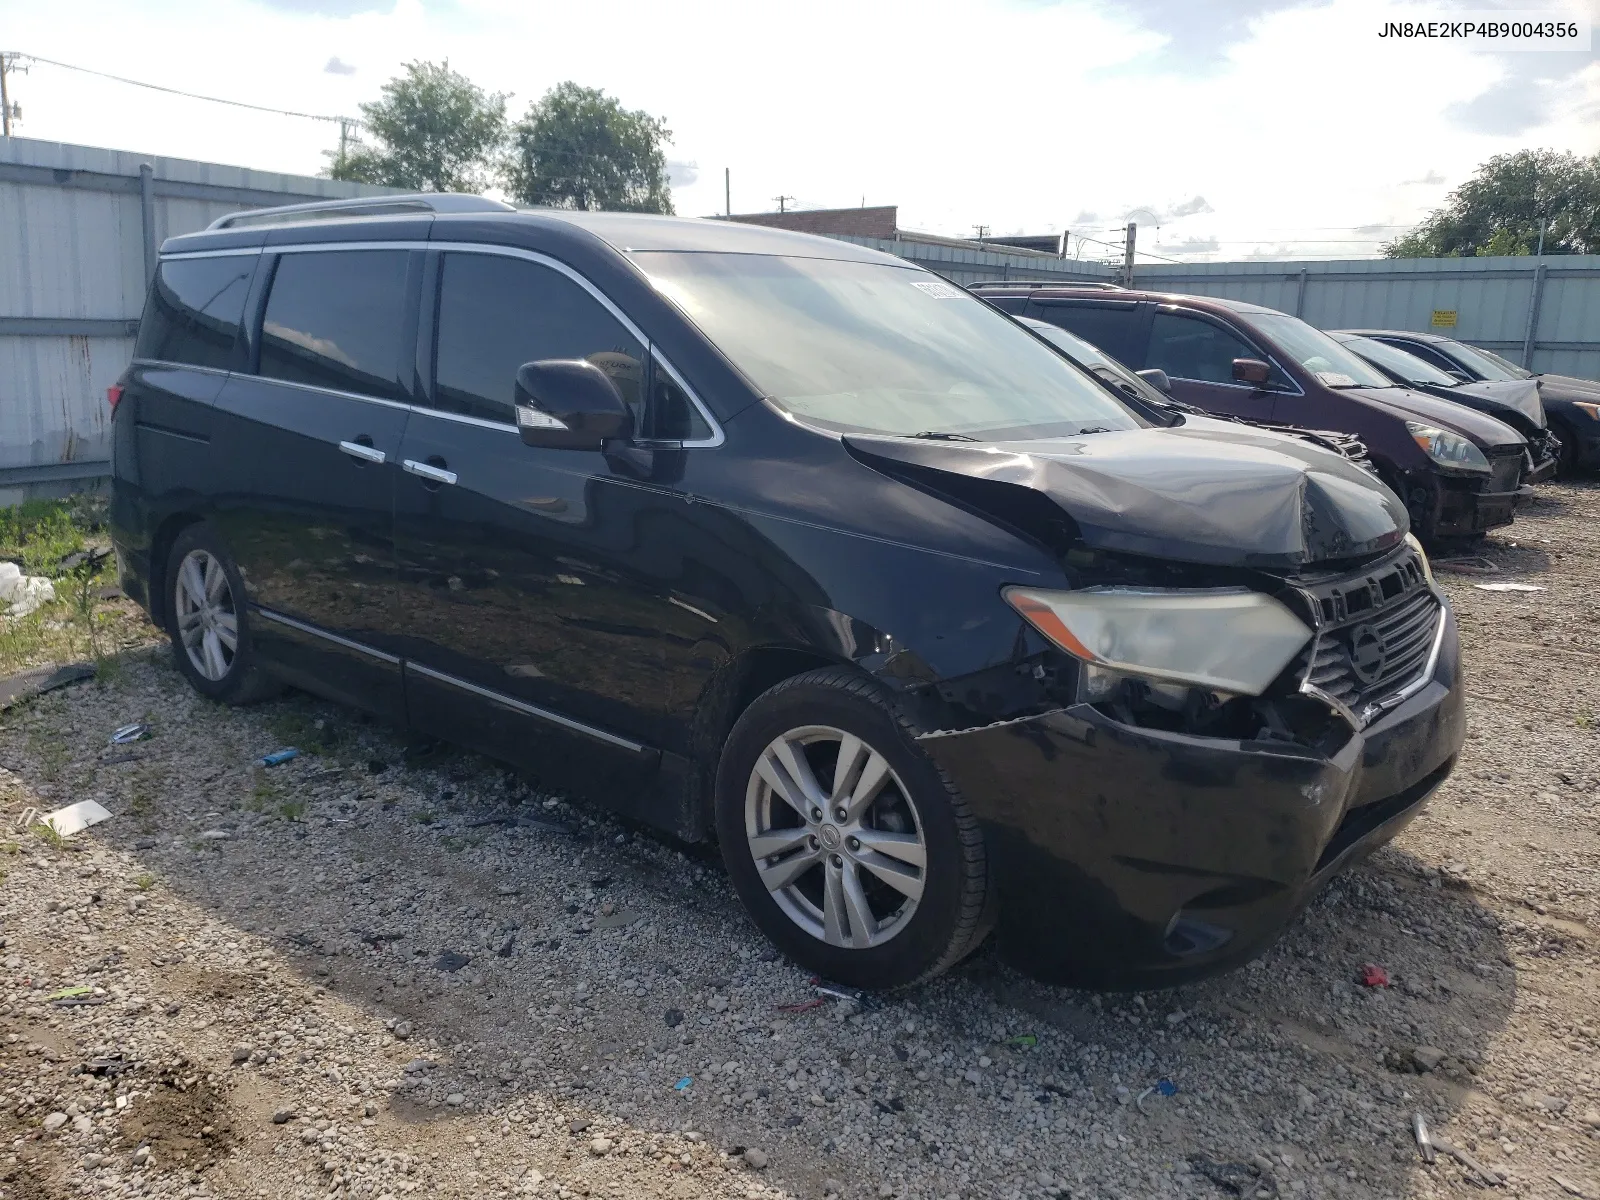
pixel 384 970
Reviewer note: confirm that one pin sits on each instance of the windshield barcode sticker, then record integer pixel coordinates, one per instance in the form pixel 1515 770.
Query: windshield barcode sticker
pixel 1335 378
pixel 938 289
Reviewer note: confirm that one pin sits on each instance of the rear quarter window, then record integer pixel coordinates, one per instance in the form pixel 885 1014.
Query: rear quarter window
pixel 1110 328
pixel 193 313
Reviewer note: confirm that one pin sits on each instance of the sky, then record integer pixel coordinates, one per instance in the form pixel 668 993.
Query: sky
pixel 1228 129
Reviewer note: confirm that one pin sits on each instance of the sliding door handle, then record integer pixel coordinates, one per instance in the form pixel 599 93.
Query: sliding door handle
pixel 428 471
pixel 362 451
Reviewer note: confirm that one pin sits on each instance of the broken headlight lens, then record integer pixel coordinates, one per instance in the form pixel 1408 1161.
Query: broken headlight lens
pixel 1225 639
pixel 1446 448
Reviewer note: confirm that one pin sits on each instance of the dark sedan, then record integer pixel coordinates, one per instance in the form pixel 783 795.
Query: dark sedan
pixel 1572 405
pixel 1514 401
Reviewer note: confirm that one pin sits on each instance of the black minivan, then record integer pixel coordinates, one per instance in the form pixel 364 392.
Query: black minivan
pixel 782 542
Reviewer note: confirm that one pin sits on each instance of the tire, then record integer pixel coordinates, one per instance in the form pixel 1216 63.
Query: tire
pixel 205 608
pixel 824 895
pixel 1567 460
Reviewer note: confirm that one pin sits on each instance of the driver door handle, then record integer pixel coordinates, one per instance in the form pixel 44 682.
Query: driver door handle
pixel 427 471
pixel 362 451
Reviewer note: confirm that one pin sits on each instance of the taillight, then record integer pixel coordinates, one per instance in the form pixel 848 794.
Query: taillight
pixel 114 397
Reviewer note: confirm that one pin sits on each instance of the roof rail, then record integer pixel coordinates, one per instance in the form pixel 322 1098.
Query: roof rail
pixel 1047 283
pixel 362 206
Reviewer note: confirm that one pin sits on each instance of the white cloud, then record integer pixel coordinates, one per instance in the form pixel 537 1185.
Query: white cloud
pixel 1298 126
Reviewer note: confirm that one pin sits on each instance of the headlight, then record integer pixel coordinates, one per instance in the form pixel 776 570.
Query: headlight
pixel 1227 639
pixel 1592 409
pixel 1447 449
pixel 1422 557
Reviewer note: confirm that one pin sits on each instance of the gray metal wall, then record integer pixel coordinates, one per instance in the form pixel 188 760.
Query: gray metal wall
pixel 78 230
pixel 1544 313
pixel 1548 309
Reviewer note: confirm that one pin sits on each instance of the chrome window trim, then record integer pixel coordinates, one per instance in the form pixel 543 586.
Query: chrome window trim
pixel 180 366
pixel 717 436
pixel 327 391
pixel 358 647
pixel 531 710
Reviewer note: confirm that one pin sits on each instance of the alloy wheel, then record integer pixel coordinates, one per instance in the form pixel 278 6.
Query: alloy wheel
pixel 835 837
pixel 208 623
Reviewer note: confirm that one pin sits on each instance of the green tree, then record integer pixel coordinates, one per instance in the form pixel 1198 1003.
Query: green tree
pixel 433 130
pixel 579 148
pixel 1503 207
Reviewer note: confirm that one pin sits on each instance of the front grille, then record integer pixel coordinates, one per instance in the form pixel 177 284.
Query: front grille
pixel 1505 468
pixel 1377 635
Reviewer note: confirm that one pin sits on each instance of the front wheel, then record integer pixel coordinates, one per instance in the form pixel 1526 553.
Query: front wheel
pixel 848 846
pixel 208 621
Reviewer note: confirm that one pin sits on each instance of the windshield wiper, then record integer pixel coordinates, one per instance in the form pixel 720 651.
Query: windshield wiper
pixel 935 435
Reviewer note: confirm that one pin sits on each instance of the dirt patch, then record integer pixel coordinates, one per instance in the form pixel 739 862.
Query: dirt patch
pixel 185 1120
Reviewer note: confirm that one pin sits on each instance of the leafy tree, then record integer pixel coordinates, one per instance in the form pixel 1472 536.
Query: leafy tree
pixel 579 148
pixel 1502 208
pixel 434 129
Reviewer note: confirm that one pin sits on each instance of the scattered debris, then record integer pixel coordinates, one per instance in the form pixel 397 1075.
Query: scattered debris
pixel 128 734
pixel 1239 1178
pixel 1485 1176
pixel 1572 1189
pixel 1467 565
pixel 1023 1039
pixel 66 993
pixel 1508 587
pixel 75 818
pixel 1419 1127
pixel 78 1001
pixel 27 684
pixel 838 993
pixel 616 919
pixel 1161 1087
pixel 1372 975
pixel 277 756
pixel 801 1006
pixel 23 593
pixel 683 1084
pixel 451 961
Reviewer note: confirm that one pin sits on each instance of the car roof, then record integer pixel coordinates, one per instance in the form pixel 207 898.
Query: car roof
pixel 1404 333
pixel 1104 293
pixel 623 232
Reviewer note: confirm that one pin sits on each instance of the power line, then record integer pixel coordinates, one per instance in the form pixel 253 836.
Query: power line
pixel 156 87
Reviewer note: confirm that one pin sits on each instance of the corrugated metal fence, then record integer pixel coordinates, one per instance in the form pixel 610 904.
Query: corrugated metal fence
pixel 79 228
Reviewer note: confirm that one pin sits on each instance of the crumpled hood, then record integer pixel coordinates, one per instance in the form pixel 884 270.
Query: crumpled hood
pixel 1519 395
pixel 1204 491
pixel 1476 426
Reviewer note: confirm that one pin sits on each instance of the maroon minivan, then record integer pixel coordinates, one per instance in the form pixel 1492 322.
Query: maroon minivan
pixel 1458 471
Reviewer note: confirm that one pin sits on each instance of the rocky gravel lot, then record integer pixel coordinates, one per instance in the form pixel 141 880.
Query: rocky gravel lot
pixel 385 969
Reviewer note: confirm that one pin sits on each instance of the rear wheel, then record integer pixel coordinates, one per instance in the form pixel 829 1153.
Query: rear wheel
pixel 849 847
pixel 208 621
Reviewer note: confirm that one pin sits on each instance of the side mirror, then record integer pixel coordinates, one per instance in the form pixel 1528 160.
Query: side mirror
pixel 569 404
pixel 1252 371
pixel 1156 378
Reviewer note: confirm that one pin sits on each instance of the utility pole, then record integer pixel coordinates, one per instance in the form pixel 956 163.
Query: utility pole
pixel 781 200
pixel 1539 253
pixel 727 191
pixel 7 65
pixel 1127 254
pixel 344 140
pixel 981 230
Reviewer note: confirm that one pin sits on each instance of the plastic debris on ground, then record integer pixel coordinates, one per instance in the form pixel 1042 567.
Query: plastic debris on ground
pixel 27 684
pixel 1474 565
pixel 75 818
pixel 1161 1087
pixel 82 989
pixel 683 1084
pixel 277 756
pixel 1508 587
pixel 451 961
pixel 1476 1171
pixel 1023 1039
pixel 128 734
pixel 1419 1127
pixel 838 993
pixel 23 593
pixel 1239 1178
pixel 1372 975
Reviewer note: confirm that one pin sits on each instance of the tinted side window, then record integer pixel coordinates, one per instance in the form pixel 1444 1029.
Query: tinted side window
pixel 194 310
pixel 673 417
pixel 335 319
pixel 1104 327
pixel 496 313
pixel 1010 304
pixel 1423 351
pixel 1190 348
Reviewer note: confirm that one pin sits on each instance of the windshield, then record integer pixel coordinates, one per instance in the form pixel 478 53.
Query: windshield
pixel 1482 362
pixel 1332 364
pixel 1097 360
pixel 880 348
pixel 1408 366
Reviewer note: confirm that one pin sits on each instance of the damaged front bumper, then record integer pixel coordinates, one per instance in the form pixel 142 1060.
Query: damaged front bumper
pixel 1134 857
